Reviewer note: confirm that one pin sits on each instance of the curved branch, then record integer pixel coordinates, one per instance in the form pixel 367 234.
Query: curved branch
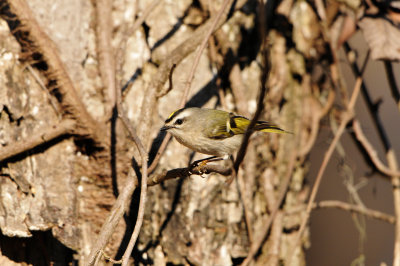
pixel 187 171
pixel 347 117
pixel 176 56
pixel 355 208
pixel 122 202
pixel 371 151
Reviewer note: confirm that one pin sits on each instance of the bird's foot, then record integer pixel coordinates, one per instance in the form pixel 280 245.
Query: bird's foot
pixel 203 162
pixel 200 165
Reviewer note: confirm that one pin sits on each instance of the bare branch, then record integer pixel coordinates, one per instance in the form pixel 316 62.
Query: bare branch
pixel 373 155
pixel 63 128
pixel 143 187
pixel 139 222
pixel 175 57
pixel 393 165
pixel 167 138
pixel 160 151
pixel 392 82
pixel 113 218
pixel 187 171
pixel 372 107
pixel 105 50
pixel 203 44
pixel 266 16
pixel 138 22
pixel 39 42
pixel 347 116
pixel 43 87
pixel 262 234
pixel 170 83
pixel 355 208
pixel 336 204
pixel 390 155
pixel 123 200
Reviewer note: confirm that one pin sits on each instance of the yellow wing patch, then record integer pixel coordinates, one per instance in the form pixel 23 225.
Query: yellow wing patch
pixel 239 124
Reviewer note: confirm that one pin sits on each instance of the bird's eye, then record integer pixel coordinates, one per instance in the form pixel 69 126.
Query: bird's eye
pixel 179 122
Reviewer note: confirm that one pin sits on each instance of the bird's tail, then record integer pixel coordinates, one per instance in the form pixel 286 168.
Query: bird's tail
pixel 238 125
pixel 270 128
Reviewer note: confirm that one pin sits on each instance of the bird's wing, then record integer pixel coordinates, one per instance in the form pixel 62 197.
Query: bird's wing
pixel 236 125
pixel 239 124
pixel 220 132
pixel 220 128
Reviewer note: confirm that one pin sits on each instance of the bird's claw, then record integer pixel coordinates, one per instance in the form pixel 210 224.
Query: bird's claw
pixel 198 163
pixel 198 168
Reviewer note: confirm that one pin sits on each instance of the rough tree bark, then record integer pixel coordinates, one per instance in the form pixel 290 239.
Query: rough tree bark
pixel 65 156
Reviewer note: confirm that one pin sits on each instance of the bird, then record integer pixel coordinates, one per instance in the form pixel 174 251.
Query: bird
pixel 212 132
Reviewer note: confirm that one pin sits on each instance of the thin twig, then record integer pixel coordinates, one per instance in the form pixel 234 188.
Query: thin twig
pixel 264 27
pixel 260 106
pixel 272 256
pixel 170 83
pixel 390 155
pixel 393 165
pixel 263 232
pixel 188 171
pixel 37 41
pixel 188 82
pixel 108 258
pixel 392 82
pixel 105 50
pixel 200 51
pixel 160 152
pixel 372 107
pixel 127 33
pixel 355 208
pixel 138 22
pixel 247 214
pixel 65 127
pixel 347 116
pixel 124 197
pixel 123 200
pixel 175 57
pixel 113 218
pixel 266 15
pixel 373 155
pixel 167 137
pixel 43 87
pixel 336 204
pixel 143 187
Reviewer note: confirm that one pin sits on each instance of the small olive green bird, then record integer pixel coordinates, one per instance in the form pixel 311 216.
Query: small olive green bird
pixel 211 131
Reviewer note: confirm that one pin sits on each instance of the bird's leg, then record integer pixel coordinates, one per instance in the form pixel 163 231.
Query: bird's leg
pixel 204 161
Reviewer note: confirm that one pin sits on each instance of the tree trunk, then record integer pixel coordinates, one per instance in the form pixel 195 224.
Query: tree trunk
pixel 66 157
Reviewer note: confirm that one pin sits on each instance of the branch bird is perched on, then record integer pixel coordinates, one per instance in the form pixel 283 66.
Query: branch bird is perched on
pixel 211 131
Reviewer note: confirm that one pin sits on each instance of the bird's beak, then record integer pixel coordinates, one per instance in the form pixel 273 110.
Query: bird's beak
pixel 165 128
